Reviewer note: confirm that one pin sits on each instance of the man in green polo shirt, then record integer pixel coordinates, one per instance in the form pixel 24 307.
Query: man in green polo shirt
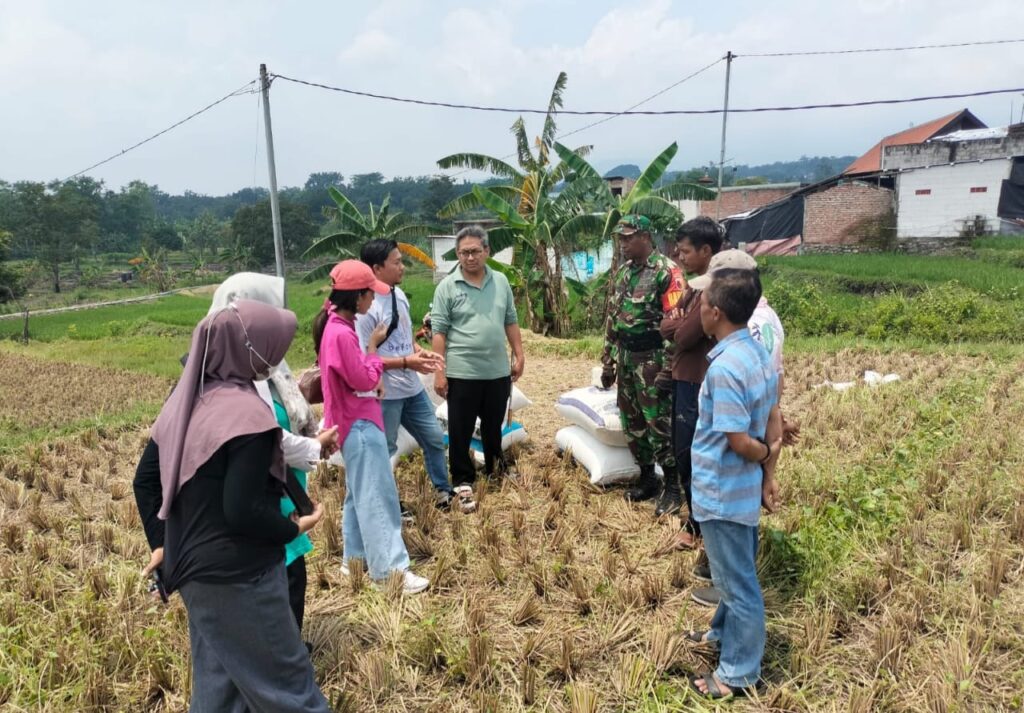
pixel 473 315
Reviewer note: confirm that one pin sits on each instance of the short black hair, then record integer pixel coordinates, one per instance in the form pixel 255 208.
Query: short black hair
pixel 735 292
pixel 701 231
pixel 377 251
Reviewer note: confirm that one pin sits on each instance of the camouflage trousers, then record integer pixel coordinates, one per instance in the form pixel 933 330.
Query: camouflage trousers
pixel 645 409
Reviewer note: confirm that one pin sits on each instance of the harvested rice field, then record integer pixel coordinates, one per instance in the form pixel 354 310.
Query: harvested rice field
pixel 894 573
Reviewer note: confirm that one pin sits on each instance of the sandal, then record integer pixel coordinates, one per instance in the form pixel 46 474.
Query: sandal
pixel 699 638
pixel 465 495
pixel 715 691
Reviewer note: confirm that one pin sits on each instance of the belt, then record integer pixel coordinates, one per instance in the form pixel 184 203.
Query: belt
pixel 645 342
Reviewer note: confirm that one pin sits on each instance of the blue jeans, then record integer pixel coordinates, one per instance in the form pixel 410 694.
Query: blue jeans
pixel 738 623
pixel 416 413
pixel 371 521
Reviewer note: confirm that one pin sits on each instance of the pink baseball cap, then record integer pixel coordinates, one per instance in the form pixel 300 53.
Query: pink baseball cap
pixel 356 275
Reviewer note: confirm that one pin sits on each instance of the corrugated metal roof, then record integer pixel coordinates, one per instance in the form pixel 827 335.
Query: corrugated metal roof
pixel 995 132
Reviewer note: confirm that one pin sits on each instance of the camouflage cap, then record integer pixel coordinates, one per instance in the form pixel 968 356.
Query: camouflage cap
pixel 632 223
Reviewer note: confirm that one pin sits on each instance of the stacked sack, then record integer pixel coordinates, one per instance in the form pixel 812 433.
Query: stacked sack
pixel 595 440
pixel 512 432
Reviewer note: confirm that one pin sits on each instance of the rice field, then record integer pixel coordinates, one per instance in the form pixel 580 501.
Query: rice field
pixel 893 574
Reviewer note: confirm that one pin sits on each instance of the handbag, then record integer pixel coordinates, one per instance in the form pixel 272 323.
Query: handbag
pixel 310 386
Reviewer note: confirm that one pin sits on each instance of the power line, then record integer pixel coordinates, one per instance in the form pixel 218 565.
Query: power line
pixel 879 49
pixel 241 90
pixel 668 112
pixel 644 101
pixel 609 118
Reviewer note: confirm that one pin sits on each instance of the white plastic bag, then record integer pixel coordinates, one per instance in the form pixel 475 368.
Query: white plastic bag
pixel 595 411
pixel 405 443
pixel 606 464
pixel 510 435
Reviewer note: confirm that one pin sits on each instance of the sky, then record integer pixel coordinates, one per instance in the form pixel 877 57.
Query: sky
pixel 81 81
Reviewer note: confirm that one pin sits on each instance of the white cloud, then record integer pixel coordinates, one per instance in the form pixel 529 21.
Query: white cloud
pixel 372 47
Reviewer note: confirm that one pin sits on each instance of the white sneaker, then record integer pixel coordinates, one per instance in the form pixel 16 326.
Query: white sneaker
pixel 414 584
pixel 344 569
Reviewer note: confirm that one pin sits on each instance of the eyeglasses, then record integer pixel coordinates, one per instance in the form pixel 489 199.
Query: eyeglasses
pixel 470 253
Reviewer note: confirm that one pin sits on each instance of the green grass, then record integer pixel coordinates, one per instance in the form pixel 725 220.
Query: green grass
pixel 150 337
pixel 894 270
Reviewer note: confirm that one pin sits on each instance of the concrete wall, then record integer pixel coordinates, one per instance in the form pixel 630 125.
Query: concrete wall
pixel 936 202
pixel 934 153
pixel 848 214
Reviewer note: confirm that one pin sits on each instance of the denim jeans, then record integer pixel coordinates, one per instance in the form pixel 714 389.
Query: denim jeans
pixel 371 521
pixel 684 422
pixel 738 623
pixel 416 413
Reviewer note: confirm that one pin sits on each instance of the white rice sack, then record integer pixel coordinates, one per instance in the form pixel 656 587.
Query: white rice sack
pixel 595 377
pixel 510 435
pixel 595 411
pixel 428 383
pixel 517 402
pixel 606 464
pixel 405 443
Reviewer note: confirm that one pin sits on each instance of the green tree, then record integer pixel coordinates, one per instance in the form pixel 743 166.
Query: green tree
pixel 253 227
pixel 539 228
pixel 349 229
pixel 440 192
pixel 10 286
pixel 204 234
pixel 657 203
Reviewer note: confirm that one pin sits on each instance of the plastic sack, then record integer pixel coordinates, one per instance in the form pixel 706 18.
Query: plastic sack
pixel 606 464
pixel 595 411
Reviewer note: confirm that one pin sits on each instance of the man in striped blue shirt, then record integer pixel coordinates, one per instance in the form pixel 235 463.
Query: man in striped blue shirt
pixel 733 474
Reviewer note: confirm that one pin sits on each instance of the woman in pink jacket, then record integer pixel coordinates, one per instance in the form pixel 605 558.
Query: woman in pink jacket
pixel 371 519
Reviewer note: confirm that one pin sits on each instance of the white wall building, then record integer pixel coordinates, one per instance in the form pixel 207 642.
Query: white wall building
pixel 950 186
pixel 947 201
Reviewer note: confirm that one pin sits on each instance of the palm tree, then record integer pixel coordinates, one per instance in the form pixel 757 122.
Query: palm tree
pixel 356 228
pixel 539 228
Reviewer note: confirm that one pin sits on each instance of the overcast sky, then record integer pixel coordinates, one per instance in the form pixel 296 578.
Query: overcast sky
pixel 80 81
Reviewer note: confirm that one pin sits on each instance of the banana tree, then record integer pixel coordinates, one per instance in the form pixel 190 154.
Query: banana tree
pixel 357 228
pixel 645 197
pixel 539 228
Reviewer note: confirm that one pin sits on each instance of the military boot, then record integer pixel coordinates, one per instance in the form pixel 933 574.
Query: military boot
pixel 646 487
pixel 671 498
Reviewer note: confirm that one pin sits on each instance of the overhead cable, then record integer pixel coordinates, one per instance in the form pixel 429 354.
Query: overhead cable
pixel 244 89
pixel 866 50
pixel 668 112
pixel 609 118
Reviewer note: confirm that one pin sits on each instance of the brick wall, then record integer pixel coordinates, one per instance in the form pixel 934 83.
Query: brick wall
pixel 740 200
pixel 848 214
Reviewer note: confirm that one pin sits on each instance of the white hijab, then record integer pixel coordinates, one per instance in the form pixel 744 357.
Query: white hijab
pixel 269 289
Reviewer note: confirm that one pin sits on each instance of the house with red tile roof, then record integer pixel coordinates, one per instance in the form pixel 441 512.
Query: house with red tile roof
pixel 871 161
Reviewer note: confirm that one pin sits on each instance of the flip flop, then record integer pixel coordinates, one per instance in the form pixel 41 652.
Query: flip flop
pixel 696 638
pixel 715 691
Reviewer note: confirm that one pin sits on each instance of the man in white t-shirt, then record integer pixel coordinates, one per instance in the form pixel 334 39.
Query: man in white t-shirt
pixel 405 402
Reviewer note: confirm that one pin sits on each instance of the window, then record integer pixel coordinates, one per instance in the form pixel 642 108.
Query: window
pixel 923 192
pixel 979 189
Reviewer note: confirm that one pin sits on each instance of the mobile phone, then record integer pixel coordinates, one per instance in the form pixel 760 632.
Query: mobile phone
pixel 156 584
pixel 293 488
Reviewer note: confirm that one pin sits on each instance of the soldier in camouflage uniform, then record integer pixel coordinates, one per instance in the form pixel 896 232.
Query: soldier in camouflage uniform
pixel 646 287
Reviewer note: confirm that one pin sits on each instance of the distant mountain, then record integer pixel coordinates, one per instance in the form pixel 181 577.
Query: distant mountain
pixel 806 169
pixel 624 170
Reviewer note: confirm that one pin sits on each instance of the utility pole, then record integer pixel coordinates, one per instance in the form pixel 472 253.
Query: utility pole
pixel 275 208
pixel 725 116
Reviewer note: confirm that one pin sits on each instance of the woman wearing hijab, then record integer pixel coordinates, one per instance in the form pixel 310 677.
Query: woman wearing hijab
pixel 208 489
pixel 371 520
pixel 301 443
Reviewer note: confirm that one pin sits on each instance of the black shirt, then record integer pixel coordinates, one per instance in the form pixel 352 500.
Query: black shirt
pixel 225 523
